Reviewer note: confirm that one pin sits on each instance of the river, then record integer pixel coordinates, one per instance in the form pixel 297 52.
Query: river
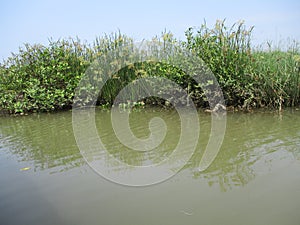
pixel 254 179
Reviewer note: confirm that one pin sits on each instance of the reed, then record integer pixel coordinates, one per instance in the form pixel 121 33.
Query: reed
pixel 250 77
pixel 276 76
pixel 43 78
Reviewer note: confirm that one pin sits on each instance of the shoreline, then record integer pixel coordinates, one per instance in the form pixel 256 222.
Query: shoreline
pixel 229 109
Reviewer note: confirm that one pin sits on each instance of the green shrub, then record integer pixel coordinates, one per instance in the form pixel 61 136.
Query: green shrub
pixel 42 78
pixel 227 53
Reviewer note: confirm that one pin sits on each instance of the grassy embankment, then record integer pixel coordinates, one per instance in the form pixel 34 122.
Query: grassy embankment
pixel 43 78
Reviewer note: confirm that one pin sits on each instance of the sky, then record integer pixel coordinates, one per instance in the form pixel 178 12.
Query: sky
pixel 35 21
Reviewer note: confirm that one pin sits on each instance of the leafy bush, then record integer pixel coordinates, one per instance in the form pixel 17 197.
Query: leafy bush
pixel 44 78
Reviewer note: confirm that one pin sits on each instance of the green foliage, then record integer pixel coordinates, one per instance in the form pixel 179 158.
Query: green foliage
pixel 276 77
pixel 44 78
pixel 249 78
pixel 227 53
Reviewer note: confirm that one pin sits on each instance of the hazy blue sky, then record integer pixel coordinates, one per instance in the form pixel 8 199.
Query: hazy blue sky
pixel 35 21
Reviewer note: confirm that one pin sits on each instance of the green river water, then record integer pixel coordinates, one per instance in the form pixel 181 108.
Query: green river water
pixel 255 178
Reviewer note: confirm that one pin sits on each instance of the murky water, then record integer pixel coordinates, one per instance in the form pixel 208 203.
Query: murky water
pixel 255 178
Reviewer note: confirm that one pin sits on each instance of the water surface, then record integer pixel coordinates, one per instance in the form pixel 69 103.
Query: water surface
pixel 255 179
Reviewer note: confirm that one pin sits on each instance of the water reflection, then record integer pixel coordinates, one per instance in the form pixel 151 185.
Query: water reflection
pixel 46 140
pixel 252 142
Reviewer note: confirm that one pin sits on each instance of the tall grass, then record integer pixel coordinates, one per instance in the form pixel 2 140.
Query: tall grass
pixel 227 52
pixel 276 76
pixel 43 78
pixel 248 77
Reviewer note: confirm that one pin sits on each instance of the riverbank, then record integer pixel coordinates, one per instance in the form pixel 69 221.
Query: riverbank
pixel 44 78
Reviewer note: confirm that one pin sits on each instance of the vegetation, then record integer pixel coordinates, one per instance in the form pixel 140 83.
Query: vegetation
pixel 41 78
pixel 44 78
pixel 249 78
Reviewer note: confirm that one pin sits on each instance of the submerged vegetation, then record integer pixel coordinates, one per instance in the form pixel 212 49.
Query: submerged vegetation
pixel 44 78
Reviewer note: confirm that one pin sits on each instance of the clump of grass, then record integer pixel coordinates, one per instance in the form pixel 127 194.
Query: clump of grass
pixel 276 76
pixel 227 52
pixel 140 69
pixel 248 77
